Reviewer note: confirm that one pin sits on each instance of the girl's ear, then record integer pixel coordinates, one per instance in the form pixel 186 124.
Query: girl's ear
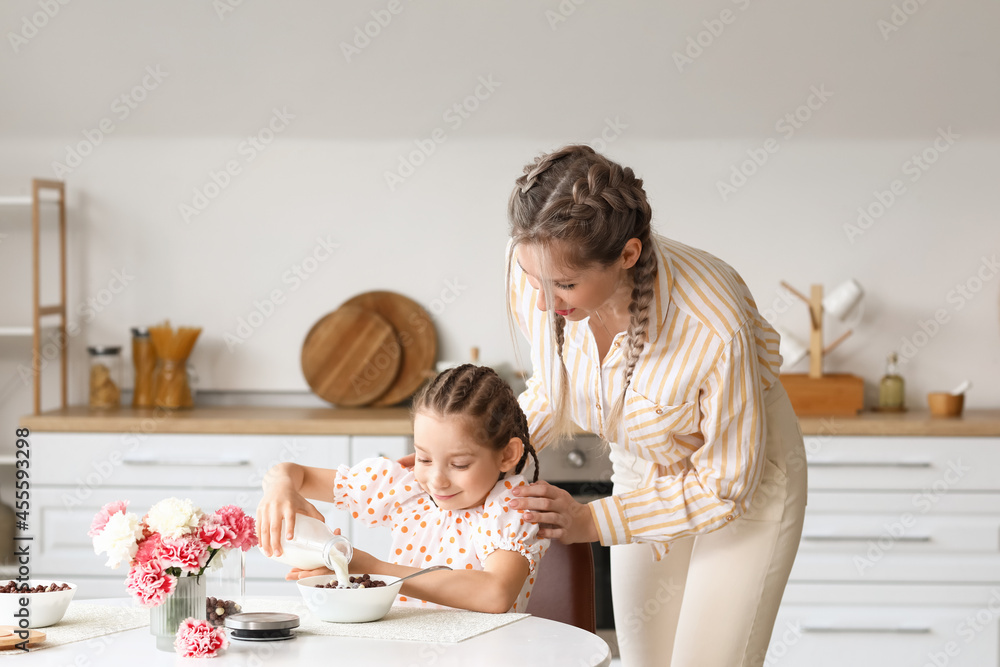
pixel 511 454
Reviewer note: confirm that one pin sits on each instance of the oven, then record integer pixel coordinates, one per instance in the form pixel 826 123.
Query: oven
pixel 581 466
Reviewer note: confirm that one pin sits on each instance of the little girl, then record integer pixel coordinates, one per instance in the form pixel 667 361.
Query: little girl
pixel 450 509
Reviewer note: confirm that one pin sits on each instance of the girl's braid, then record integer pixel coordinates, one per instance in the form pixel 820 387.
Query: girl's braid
pixel 488 403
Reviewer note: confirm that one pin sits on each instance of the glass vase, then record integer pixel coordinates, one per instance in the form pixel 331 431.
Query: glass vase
pixel 187 601
pixel 227 579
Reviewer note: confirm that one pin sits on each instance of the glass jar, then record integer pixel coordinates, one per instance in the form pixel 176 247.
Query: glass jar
pixel 144 362
pixel 105 376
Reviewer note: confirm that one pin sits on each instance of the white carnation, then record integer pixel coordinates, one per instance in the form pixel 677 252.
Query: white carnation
pixel 120 538
pixel 173 517
pixel 217 559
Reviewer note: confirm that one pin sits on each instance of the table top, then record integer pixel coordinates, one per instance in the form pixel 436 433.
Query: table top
pixel 530 641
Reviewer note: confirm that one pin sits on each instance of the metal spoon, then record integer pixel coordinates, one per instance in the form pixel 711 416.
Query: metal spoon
pixel 425 571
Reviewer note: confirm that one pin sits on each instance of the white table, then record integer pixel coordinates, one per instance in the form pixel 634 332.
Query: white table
pixel 530 641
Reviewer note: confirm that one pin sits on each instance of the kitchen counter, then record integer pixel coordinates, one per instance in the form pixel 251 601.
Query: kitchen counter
pixel 396 421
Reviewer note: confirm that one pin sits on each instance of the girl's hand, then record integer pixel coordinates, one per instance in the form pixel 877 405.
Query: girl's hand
pixel 364 563
pixel 407 461
pixel 559 515
pixel 280 503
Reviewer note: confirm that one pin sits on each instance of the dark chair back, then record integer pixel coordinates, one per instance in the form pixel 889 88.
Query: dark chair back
pixel 564 588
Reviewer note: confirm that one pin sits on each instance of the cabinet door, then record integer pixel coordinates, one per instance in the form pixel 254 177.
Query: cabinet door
pixel 880 636
pixel 903 463
pixel 375 540
pixel 87 461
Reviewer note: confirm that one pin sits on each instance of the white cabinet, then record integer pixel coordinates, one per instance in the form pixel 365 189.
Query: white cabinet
pixel 899 562
pixel 74 474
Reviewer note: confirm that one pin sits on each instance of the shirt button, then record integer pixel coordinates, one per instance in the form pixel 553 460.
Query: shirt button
pixel 598 405
pixel 659 411
pixel 729 517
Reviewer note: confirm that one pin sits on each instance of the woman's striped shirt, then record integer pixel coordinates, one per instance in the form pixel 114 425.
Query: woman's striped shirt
pixel 694 411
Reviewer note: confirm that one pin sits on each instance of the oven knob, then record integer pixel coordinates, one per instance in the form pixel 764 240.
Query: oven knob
pixel 576 458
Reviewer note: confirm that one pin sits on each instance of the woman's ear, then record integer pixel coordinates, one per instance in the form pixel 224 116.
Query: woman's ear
pixel 512 453
pixel 631 252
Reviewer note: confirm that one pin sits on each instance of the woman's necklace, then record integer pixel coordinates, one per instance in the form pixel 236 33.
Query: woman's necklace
pixel 603 324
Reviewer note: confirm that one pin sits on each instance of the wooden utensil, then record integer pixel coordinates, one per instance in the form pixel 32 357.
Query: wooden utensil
pixel 417 337
pixel 10 639
pixel 351 356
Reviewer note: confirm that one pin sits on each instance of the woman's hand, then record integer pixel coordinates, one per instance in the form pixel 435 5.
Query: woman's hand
pixel 559 515
pixel 407 461
pixel 280 503
pixel 295 574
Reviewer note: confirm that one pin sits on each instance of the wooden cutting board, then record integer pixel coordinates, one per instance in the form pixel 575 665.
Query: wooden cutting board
pixel 351 356
pixel 9 639
pixel 417 338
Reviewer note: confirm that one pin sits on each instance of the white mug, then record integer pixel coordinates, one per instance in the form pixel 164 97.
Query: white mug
pixel 842 299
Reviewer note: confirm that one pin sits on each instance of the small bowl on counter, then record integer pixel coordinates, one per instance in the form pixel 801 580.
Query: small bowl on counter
pixel 44 609
pixel 349 605
pixel 945 404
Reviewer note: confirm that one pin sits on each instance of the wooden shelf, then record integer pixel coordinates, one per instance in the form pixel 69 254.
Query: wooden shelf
pixel 25 200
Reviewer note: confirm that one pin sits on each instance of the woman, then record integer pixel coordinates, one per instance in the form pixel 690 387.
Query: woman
pixel 658 348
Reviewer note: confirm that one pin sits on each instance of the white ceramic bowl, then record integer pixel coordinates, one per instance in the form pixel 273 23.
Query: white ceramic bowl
pixel 44 609
pixel 349 605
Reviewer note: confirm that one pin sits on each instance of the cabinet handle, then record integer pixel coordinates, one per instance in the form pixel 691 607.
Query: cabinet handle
pixel 138 461
pixel 834 463
pixel 865 538
pixel 897 630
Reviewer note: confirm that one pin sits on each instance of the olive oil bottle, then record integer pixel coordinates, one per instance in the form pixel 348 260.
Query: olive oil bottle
pixel 891 389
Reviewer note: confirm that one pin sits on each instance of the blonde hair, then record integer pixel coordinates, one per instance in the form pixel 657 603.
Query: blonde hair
pixel 595 206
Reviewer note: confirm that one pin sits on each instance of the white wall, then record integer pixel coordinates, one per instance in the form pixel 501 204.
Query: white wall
pixel 683 130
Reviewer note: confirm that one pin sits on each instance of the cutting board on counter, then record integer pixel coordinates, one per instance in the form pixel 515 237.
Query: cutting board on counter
pixel 417 339
pixel 351 356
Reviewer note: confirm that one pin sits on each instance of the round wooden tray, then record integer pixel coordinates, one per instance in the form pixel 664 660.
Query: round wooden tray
pixel 351 356
pixel 417 338
pixel 9 639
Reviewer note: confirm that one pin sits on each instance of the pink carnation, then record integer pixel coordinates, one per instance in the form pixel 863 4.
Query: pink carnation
pixel 198 639
pixel 150 584
pixel 242 527
pixel 216 534
pixel 101 518
pixel 149 549
pixel 188 553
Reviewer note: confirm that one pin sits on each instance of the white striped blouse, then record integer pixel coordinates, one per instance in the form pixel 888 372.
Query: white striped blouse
pixel 694 411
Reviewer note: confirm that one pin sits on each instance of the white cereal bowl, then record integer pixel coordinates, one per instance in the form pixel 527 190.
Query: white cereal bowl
pixel 44 609
pixel 349 605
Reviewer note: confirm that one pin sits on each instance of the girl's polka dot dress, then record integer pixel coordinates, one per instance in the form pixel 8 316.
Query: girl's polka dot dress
pixel 381 492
